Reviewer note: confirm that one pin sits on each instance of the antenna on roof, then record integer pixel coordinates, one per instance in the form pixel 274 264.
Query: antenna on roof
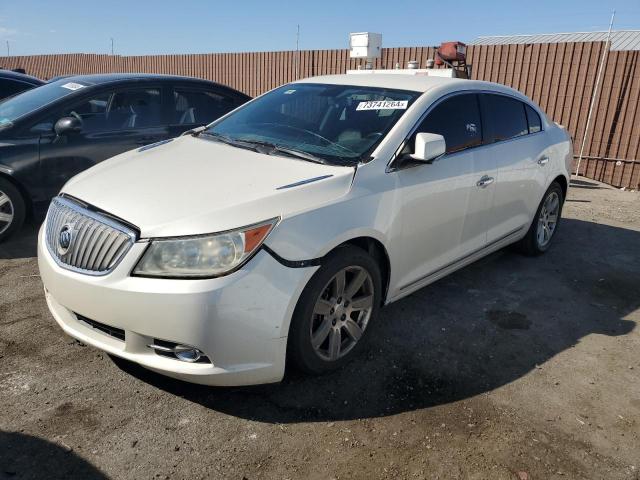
pixel 298 53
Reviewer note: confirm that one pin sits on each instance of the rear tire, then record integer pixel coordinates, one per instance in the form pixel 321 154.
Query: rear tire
pixel 12 209
pixel 335 311
pixel 545 222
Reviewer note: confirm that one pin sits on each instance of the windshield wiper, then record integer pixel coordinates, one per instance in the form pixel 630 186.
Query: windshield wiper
pixel 299 154
pixel 274 147
pixel 259 146
pixel 229 141
pixel 194 131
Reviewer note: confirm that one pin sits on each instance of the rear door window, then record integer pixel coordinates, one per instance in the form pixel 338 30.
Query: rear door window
pixel 504 117
pixel 535 124
pixel 200 107
pixel 457 119
pixel 135 108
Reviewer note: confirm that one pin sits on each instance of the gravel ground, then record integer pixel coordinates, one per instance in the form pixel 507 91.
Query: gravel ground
pixel 513 368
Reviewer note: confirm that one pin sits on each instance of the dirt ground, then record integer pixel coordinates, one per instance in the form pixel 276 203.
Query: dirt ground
pixel 513 368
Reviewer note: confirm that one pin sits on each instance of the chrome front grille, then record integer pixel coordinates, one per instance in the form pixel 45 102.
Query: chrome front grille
pixel 83 240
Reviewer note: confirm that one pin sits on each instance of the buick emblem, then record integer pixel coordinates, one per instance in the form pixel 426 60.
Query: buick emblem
pixel 64 239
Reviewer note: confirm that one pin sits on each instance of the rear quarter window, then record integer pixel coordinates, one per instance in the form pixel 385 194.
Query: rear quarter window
pixel 201 107
pixel 533 119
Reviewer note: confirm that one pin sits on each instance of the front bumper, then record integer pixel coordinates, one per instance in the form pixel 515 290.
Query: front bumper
pixel 239 321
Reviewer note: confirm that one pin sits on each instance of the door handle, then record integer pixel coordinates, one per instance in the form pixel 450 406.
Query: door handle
pixel 484 181
pixel 542 161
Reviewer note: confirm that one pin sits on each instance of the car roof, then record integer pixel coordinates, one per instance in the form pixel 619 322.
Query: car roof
pixel 105 78
pixel 414 82
pixel 417 82
pixel 398 81
pixel 10 74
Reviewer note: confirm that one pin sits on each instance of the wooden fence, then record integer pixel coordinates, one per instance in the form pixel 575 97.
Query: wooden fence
pixel 560 77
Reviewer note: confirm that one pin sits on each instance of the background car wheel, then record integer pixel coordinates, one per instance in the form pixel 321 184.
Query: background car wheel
pixel 12 209
pixel 545 223
pixel 334 311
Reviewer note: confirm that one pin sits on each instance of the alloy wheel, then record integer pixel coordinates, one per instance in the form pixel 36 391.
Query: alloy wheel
pixel 342 312
pixel 6 212
pixel 548 219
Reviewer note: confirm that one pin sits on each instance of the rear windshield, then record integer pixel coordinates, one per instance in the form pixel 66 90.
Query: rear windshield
pixel 11 109
pixel 338 123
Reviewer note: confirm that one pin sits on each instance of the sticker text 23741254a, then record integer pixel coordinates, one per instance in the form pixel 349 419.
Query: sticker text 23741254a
pixel 383 105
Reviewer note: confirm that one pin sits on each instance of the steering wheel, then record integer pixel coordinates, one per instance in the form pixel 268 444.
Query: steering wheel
pixel 312 133
pixel 74 114
pixel 373 136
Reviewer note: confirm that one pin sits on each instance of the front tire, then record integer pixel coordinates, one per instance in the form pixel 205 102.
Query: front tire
pixel 335 309
pixel 12 209
pixel 545 223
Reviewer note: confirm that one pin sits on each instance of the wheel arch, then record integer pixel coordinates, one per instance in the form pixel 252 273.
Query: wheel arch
pixel 377 250
pixel 28 202
pixel 564 184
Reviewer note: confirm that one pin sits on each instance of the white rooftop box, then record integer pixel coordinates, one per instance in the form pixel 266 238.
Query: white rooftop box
pixel 365 45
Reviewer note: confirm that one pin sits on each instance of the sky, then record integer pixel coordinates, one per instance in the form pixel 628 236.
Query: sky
pixel 140 27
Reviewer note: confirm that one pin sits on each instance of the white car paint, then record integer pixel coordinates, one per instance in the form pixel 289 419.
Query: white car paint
pixel 190 186
pixel 431 220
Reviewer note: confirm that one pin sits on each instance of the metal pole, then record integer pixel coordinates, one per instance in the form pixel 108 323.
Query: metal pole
pixel 8 52
pixel 298 53
pixel 111 46
pixel 595 93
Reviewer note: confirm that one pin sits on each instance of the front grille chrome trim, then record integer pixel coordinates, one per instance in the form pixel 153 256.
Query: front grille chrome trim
pixel 100 242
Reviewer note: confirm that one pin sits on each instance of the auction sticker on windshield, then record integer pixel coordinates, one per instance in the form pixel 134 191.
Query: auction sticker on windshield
pixel 73 86
pixel 383 105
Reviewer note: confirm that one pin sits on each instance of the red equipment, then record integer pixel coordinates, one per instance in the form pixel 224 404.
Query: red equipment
pixel 454 55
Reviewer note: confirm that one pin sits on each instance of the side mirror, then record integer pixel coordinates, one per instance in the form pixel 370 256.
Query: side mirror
pixel 67 125
pixel 429 147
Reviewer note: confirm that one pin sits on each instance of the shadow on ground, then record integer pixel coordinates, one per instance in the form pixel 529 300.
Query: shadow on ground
pixel 479 329
pixel 585 184
pixel 27 457
pixel 21 245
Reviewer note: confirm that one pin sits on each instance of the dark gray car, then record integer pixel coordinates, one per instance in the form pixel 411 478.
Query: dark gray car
pixel 51 133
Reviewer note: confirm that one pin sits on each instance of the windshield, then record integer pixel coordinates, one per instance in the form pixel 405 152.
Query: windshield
pixel 24 103
pixel 334 123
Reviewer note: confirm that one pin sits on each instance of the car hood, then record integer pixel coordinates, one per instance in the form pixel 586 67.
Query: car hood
pixel 192 186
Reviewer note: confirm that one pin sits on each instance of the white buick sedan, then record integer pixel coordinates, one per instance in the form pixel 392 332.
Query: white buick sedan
pixel 274 235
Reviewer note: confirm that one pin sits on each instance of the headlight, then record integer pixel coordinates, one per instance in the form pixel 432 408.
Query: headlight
pixel 204 255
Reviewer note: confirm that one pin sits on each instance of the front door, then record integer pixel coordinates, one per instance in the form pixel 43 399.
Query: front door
pixel 446 204
pixel 112 123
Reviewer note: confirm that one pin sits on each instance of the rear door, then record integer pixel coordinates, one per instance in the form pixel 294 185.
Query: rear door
pixel 113 121
pixel 445 212
pixel 516 145
pixel 194 106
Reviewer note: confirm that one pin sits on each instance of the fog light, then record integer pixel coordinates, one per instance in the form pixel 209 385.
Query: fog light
pixel 187 353
pixel 178 351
